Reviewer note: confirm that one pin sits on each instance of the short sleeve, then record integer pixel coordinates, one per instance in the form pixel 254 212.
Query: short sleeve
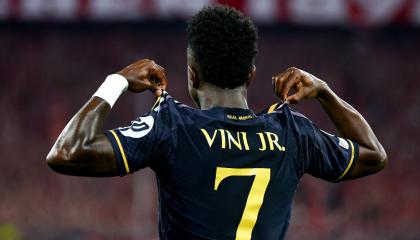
pixel 327 156
pixel 142 144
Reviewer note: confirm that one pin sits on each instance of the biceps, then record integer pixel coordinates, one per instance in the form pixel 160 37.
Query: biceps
pixel 94 159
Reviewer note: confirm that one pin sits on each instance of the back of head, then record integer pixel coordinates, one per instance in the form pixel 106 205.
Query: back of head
pixel 223 43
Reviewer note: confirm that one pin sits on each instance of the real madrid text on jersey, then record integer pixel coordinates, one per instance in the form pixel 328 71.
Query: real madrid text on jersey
pixel 227 173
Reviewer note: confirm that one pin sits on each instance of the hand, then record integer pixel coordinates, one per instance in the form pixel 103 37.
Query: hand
pixel 298 83
pixel 145 74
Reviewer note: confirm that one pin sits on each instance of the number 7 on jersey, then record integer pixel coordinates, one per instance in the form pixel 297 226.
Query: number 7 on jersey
pixel 255 196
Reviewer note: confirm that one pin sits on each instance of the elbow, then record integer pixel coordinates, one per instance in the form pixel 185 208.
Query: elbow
pixel 56 158
pixel 382 159
pixel 60 159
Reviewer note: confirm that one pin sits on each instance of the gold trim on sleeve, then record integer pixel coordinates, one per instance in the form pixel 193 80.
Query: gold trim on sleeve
pixel 272 108
pixel 350 162
pixel 157 101
pixel 127 169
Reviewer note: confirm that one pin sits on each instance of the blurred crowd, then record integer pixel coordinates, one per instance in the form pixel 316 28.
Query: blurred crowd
pixel 306 12
pixel 49 70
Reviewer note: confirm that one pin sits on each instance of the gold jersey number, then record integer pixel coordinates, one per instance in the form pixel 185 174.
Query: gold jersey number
pixel 255 196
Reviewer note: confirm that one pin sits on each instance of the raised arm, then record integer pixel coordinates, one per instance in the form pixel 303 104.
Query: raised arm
pixel 82 149
pixel 349 123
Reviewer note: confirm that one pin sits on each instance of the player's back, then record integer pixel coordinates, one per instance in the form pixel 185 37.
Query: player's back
pixel 225 173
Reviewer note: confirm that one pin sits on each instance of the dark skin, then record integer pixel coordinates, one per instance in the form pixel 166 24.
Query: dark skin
pixel 348 122
pixel 83 150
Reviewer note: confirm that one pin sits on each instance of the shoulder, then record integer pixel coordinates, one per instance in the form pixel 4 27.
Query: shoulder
pixel 283 112
pixel 284 109
pixel 169 110
pixel 166 104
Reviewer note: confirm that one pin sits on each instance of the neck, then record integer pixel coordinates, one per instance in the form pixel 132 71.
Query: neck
pixel 212 96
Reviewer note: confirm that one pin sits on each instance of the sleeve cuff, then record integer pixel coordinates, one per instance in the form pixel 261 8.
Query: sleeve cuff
pixel 354 155
pixel 122 163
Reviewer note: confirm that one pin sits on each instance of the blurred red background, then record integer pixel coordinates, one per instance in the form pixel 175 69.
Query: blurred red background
pixel 50 67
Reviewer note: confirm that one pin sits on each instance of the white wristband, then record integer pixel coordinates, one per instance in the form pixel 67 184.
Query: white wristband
pixel 113 86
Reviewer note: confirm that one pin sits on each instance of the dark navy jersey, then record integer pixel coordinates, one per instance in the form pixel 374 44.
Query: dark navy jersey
pixel 227 173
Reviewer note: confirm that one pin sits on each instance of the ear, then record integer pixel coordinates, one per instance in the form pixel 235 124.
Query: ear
pixel 251 75
pixel 194 77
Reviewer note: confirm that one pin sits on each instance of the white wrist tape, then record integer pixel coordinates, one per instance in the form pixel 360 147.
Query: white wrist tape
pixel 111 89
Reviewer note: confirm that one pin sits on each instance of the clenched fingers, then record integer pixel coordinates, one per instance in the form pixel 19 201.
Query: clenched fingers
pixel 285 81
pixel 158 79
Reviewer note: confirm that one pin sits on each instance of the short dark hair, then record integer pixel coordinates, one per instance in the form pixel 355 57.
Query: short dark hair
pixel 224 45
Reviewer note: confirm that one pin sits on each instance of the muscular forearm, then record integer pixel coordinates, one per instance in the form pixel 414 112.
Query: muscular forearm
pixel 83 128
pixel 82 148
pixel 351 124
